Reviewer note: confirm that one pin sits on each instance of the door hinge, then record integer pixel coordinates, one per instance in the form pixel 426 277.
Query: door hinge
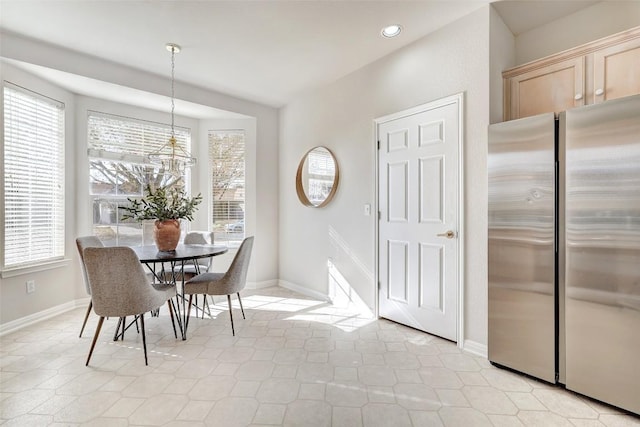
pixel 379 215
pixel 379 285
pixel 378 145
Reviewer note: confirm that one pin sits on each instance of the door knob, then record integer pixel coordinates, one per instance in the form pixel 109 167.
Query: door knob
pixel 449 234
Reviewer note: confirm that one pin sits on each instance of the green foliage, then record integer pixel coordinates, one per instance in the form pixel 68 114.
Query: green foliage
pixel 162 204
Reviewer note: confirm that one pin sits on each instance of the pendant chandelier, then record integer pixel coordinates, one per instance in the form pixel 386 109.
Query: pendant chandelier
pixel 171 157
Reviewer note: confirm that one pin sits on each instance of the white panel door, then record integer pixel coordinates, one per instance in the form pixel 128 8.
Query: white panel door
pixel 418 172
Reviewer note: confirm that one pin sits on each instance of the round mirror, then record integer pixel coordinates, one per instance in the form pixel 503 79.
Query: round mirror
pixel 317 177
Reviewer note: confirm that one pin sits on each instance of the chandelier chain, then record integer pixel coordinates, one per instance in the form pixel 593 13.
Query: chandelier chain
pixel 173 102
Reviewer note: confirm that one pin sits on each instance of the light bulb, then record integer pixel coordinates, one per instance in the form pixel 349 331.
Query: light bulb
pixel 391 30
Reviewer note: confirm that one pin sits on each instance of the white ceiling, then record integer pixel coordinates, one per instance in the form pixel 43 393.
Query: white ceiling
pixel 264 51
pixel 524 15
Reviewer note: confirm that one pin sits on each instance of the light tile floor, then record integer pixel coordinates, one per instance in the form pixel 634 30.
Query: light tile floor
pixel 294 361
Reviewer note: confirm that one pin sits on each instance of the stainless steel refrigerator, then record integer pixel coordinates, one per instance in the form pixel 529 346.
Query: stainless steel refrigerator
pixel 564 249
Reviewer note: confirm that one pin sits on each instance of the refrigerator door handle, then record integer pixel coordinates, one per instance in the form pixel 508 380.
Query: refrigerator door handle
pixel 556 227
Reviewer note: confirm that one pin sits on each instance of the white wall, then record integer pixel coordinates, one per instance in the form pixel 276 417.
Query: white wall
pixel 66 284
pixel 592 23
pixel 59 285
pixel 340 116
pixel 502 56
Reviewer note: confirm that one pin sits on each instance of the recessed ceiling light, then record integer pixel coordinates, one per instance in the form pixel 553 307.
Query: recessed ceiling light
pixel 391 30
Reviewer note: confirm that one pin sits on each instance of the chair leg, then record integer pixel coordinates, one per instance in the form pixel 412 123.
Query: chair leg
pixel 206 302
pixel 144 339
pixel 86 317
pixel 115 334
pixel 233 332
pixel 124 325
pixel 240 301
pixel 204 297
pixel 95 339
pixel 186 322
pixel 173 322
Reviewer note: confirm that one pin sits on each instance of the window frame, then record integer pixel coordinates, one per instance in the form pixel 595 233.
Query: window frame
pixel 224 236
pixel 55 224
pixel 130 159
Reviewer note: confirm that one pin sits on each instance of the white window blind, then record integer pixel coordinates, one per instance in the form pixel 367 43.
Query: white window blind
pixel 119 169
pixel 33 178
pixel 128 139
pixel 227 163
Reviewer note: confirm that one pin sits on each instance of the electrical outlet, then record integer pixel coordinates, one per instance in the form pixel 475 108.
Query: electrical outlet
pixel 31 286
pixel 367 209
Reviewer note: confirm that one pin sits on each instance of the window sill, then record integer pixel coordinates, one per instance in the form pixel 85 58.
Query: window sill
pixel 19 271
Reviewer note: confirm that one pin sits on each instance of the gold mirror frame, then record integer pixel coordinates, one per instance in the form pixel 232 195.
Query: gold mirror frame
pixel 300 189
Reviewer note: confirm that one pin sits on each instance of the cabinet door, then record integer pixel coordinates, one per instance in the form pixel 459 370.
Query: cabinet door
pixel 554 88
pixel 616 71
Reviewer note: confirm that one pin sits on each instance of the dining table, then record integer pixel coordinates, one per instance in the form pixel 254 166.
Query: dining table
pixel 169 267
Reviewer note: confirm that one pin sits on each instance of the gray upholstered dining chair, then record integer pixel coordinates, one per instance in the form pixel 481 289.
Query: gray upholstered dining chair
pixel 82 243
pixel 201 265
pixel 231 282
pixel 120 288
pixel 197 238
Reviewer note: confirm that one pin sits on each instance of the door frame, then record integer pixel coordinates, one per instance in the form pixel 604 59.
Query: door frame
pixel 453 99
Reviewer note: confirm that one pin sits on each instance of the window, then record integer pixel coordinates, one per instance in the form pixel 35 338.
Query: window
pixel 119 168
pixel 226 160
pixel 33 166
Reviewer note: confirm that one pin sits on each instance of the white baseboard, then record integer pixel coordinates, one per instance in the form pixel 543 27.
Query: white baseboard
pixel 14 325
pixel 475 348
pixel 263 284
pixel 304 291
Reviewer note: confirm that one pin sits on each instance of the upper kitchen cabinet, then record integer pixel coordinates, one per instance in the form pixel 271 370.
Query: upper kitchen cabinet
pixel 605 69
pixel 554 87
pixel 616 71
